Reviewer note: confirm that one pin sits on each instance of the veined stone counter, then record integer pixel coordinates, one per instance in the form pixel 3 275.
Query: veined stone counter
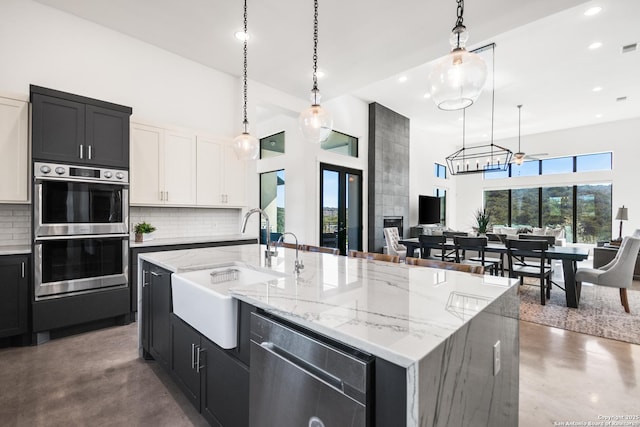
pixel 441 326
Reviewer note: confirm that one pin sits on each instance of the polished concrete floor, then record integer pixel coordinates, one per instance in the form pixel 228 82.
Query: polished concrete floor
pixel 97 379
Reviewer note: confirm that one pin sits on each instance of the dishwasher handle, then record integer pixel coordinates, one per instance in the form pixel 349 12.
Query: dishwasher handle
pixel 321 374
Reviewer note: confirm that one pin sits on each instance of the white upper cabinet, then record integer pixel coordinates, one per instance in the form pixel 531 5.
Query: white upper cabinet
pixel 221 176
pixel 162 166
pixel 178 168
pixel 14 146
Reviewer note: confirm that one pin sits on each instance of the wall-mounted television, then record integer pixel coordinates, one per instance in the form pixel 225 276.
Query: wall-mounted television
pixel 428 210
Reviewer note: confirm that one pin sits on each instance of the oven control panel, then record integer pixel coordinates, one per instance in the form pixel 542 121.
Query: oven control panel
pixel 73 172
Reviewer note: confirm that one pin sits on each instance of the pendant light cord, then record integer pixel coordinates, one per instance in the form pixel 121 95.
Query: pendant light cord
pixel 519 112
pixel 315 53
pixel 493 86
pixel 459 27
pixel 245 122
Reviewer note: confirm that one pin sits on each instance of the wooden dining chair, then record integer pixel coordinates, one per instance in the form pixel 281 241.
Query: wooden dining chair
pixel 281 244
pixel 445 265
pixel 479 245
pixel 527 259
pixel 374 256
pixel 321 249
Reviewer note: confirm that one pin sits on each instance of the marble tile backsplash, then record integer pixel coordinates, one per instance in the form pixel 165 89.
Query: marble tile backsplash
pixel 15 225
pixel 187 222
pixel 15 222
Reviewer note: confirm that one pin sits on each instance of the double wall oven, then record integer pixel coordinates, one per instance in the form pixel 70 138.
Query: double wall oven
pixel 80 229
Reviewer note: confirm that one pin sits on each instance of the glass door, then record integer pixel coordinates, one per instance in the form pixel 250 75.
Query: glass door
pixel 340 208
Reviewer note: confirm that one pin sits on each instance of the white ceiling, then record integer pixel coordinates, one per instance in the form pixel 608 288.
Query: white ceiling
pixel 541 55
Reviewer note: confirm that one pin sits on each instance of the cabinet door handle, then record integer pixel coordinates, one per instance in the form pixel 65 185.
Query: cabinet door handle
pixel 23 269
pixel 89 151
pixel 166 196
pixel 153 273
pixel 193 356
pixel 199 352
pixel 81 151
pixel 162 195
pixel 144 278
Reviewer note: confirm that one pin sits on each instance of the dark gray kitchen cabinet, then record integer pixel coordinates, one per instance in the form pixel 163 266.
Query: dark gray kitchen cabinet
pixel 68 128
pixel 213 379
pixel 185 350
pixel 156 300
pixel 14 289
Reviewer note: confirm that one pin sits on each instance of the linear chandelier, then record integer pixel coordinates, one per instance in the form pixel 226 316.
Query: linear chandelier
pixel 480 158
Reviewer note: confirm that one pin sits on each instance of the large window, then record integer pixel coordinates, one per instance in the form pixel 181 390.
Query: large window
pixel 569 164
pixel 593 213
pixel 442 194
pixel 272 146
pixel 272 201
pixel 557 209
pixel 593 162
pixel 584 211
pixel 341 143
pixel 497 204
pixel 525 207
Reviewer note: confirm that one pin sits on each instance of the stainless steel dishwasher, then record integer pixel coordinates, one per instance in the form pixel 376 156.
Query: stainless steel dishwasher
pixel 298 379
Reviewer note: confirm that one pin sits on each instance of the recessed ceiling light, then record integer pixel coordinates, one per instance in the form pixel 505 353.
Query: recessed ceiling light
pixel 598 116
pixel 595 45
pixel 597 89
pixel 427 95
pixel 592 11
pixel 241 35
pixel 402 79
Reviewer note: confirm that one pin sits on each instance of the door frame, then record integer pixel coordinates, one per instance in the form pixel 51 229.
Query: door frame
pixel 342 171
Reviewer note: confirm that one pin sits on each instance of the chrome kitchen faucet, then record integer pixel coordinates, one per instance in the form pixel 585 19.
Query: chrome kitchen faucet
pixel 268 253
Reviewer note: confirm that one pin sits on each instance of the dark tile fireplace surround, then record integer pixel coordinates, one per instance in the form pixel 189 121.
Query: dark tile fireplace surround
pixel 388 176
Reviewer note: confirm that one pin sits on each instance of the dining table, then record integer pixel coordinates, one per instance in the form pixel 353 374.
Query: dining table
pixel 569 255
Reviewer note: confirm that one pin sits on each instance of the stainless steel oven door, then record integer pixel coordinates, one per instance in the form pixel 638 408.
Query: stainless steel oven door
pixel 80 264
pixel 71 207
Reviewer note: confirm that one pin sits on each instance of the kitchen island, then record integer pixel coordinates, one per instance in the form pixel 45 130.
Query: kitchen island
pixel 452 337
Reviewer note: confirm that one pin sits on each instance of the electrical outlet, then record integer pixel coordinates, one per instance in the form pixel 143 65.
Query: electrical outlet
pixel 496 358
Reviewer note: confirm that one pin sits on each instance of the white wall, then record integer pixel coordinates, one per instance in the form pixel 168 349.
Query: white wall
pixel 621 137
pixel 43 46
pixel 426 149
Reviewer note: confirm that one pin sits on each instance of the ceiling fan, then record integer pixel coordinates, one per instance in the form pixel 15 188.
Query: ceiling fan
pixel 519 156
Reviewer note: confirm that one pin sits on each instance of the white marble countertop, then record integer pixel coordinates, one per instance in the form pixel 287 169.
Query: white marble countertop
pixel 15 250
pixel 394 311
pixel 188 240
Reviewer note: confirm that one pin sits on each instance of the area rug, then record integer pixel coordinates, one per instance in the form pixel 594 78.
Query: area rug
pixel 599 313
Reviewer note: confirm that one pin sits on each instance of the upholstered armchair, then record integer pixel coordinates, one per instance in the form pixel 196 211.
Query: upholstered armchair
pixel 393 242
pixel 616 274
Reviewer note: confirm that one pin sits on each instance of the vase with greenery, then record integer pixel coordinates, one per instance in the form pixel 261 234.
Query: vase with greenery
pixel 483 217
pixel 142 231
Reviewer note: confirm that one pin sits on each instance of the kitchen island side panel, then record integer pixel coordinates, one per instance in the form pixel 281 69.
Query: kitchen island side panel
pixel 456 383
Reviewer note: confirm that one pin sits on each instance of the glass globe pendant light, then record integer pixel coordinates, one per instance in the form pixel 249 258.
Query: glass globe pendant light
pixel 458 78
pixel 315 122
pixel 245 145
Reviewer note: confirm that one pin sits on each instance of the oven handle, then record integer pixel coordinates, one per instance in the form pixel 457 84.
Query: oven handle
pixel 81 236
pixel 39 179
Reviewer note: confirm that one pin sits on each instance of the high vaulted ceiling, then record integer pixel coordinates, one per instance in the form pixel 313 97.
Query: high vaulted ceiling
pixel 541 55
